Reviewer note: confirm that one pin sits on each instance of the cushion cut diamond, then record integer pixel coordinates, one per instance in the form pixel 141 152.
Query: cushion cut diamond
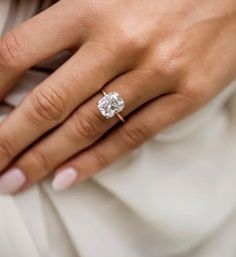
pixel 111 104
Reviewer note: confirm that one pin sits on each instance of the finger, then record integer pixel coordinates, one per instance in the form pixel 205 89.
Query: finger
pixel 33 42
pixel 143 125
pixel 83 128
pixel 52 101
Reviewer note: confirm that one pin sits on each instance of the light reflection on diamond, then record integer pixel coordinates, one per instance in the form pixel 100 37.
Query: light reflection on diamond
pixel 111 104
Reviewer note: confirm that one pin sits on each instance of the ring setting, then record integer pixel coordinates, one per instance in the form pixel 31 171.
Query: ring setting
pixel 111 104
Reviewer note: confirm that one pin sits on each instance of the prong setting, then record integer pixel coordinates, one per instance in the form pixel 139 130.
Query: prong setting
pixel 111 104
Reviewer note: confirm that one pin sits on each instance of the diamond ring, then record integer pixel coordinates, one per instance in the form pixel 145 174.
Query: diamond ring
pixel 111 104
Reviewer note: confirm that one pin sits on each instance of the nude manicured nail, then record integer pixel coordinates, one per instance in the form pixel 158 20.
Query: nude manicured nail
pixel 64 179
pixel 11 181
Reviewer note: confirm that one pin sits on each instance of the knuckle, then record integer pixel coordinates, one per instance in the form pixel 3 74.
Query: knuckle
pixel 48 105
pixel 10 51
pixel 131 41
pixel 100 159
pixel 132 137
pixel 36 160
pixel 7 150
pixel 194 91
pixel 168 59
pixel 164 68
pixel 190 95
pixel 85 125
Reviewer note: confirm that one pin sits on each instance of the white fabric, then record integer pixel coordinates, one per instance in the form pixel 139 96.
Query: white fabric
pixel 176 196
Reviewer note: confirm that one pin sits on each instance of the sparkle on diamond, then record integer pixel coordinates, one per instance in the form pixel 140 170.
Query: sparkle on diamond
pixel 111 104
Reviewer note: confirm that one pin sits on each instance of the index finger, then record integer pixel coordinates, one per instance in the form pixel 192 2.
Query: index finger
pixel 32 42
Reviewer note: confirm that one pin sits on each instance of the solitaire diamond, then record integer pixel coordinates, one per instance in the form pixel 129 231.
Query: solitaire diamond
pixel 111 104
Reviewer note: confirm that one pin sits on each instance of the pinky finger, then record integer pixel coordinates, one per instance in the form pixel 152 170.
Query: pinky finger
pixel 141 126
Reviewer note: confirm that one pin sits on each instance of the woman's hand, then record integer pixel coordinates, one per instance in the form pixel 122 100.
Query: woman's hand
pixel 165 58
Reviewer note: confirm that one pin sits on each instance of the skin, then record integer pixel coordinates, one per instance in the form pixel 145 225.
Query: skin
pixel 165 58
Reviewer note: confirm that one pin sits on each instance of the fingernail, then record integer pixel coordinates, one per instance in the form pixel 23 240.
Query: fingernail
pixel 64 179
pixel 12 181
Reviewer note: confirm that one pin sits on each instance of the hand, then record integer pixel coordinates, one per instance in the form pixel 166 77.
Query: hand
pixel 165 58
